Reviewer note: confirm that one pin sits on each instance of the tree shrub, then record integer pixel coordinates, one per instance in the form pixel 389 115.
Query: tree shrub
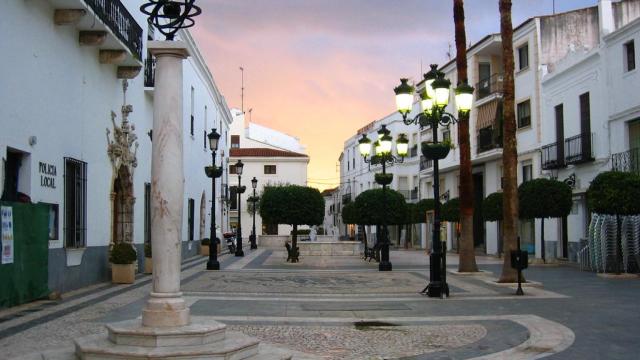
pixel 544 198
pixel 147 250
pixel 615 193
pixel 492 207
pixel 450 211
pixel 350 213
pixel 422 207
pixel 376 208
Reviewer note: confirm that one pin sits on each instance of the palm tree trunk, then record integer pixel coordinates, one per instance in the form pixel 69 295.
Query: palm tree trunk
pixel 509 152
pixel 466 249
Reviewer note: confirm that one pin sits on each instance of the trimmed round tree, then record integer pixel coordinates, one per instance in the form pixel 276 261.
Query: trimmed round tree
pixel 350 213
pixel 292 204
pixel 450 211
pixel 377 208
pixel 492 207
pixel 544 198
pixel 422 207
pixel 615 193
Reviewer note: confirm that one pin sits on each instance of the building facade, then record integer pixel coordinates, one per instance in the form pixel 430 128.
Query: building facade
pixel 76 137
pixel 273 158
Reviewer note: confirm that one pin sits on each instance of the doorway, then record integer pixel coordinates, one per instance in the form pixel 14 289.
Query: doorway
pixel 478 221
pixel 11 175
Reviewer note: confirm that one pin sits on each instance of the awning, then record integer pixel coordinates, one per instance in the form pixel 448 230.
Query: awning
pixel 487 114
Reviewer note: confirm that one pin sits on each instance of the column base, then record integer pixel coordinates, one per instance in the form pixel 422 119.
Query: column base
pixel 213 265
pixel 164 311
pixel 384 266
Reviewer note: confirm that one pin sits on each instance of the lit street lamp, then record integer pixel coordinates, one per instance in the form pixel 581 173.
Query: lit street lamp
pixel 213 172
pixel 241 189
pixel 382 156
pixel 433 101
pixel 254 199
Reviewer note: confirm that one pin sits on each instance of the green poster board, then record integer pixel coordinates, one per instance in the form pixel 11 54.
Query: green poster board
pixel 26 278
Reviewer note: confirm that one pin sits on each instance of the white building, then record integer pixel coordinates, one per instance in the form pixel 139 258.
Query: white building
pixel 56 101
pixel 357 175
pixel 331 222
pixel 273 158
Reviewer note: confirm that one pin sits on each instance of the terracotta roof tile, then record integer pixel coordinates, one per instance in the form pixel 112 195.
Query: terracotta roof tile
pixel 263 152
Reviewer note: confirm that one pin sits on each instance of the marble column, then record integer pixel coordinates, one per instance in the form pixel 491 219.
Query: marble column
pixel 166 306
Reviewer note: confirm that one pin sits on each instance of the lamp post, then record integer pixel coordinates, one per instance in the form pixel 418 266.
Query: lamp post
pixel 241 189
pixel 213 172
pixel 383 155
pixel 254 200
pixel 433 101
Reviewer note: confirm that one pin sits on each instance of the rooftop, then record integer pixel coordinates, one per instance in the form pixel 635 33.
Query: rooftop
pixel 263 152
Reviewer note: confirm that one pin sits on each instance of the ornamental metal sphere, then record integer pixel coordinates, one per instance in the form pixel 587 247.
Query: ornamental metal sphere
pixel 169 16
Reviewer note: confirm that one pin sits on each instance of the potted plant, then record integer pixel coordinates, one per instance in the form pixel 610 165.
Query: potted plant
pixel 204 246
pixel 148 263
pixel 122 257
pixel 383 179
pixel 436 151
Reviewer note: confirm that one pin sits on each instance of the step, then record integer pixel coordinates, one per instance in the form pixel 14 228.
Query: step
pixel 131 332
pixel 235 346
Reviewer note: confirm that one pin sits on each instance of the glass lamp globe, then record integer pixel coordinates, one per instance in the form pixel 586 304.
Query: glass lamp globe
pixel 385 144
pixel 464 97
pixel 404 96
pixel 364 145
pixel 441 87
pixel 426 103
pixel 402 145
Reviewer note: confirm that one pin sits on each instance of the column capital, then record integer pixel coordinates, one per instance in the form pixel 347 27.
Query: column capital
pixel 175 48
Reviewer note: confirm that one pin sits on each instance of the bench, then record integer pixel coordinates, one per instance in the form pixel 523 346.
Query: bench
pixel 373 252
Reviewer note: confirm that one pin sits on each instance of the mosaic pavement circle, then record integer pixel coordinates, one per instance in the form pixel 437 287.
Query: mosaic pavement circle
pixel 366 342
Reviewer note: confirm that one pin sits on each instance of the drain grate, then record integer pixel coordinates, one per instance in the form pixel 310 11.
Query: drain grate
pixel 364 325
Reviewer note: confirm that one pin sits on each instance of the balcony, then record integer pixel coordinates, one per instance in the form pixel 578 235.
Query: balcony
pixel 578 149
pixel 552 157
pixel 489 86
pixel 488 139
pixel 627 161
pixel 425 163
pixel 107 25
pixel 414 194
pixel 150 72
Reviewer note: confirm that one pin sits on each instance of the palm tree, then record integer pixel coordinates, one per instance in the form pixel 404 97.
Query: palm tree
pixel 509 151
pixel 467 261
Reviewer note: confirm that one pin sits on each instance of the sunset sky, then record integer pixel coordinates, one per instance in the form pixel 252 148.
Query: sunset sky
pixel 321 69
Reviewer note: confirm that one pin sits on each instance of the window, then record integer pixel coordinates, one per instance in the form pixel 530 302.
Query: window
pixel 524 114
pixel 75 203
pixel 235 141
pixel 204 138
pixel 233 198
pixel 446 135
pixel 527 172
pixel 269 169
pixel 629 56
pixel 147 213
pixel 190 217
pixel 523 57
pixel 232 169
pixel 192 108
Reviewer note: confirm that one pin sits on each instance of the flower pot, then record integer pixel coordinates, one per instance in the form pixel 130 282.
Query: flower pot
pixel 148 265
pixel 204 250
pixel 436 151
pixel 384 179
pixel 123 273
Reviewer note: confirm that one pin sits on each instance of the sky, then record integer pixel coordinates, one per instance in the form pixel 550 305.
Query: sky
pixel 321 69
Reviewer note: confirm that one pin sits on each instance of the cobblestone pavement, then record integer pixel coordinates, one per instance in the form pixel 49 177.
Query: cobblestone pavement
pixel 343 308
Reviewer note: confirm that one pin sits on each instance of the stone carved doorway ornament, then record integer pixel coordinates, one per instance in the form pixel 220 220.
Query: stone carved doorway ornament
pixel 122 150
pixel 203 214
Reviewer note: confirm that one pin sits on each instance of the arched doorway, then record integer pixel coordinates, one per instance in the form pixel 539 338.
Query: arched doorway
pixel 203 215
pixel 122 207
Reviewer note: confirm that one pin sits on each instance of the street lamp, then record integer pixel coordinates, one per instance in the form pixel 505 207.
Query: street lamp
pixel 241 189
pixel 433 101
pixel 382 156
pixel 213 172
pixel 254 199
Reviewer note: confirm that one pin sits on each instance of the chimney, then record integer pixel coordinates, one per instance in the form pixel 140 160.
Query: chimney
pixel 605 17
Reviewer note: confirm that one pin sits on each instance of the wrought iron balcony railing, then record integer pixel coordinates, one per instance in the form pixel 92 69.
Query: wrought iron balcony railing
pixel 578 149
pixel 552 157
pixel 627 161
pixel 150 72
pixel 425 163
pixel 116 16
pixel 414 194
pixel 488 139
pixel 413 151
pixel 489 86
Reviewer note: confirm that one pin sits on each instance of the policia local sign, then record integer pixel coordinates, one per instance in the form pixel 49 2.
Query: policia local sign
pixel 48 175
